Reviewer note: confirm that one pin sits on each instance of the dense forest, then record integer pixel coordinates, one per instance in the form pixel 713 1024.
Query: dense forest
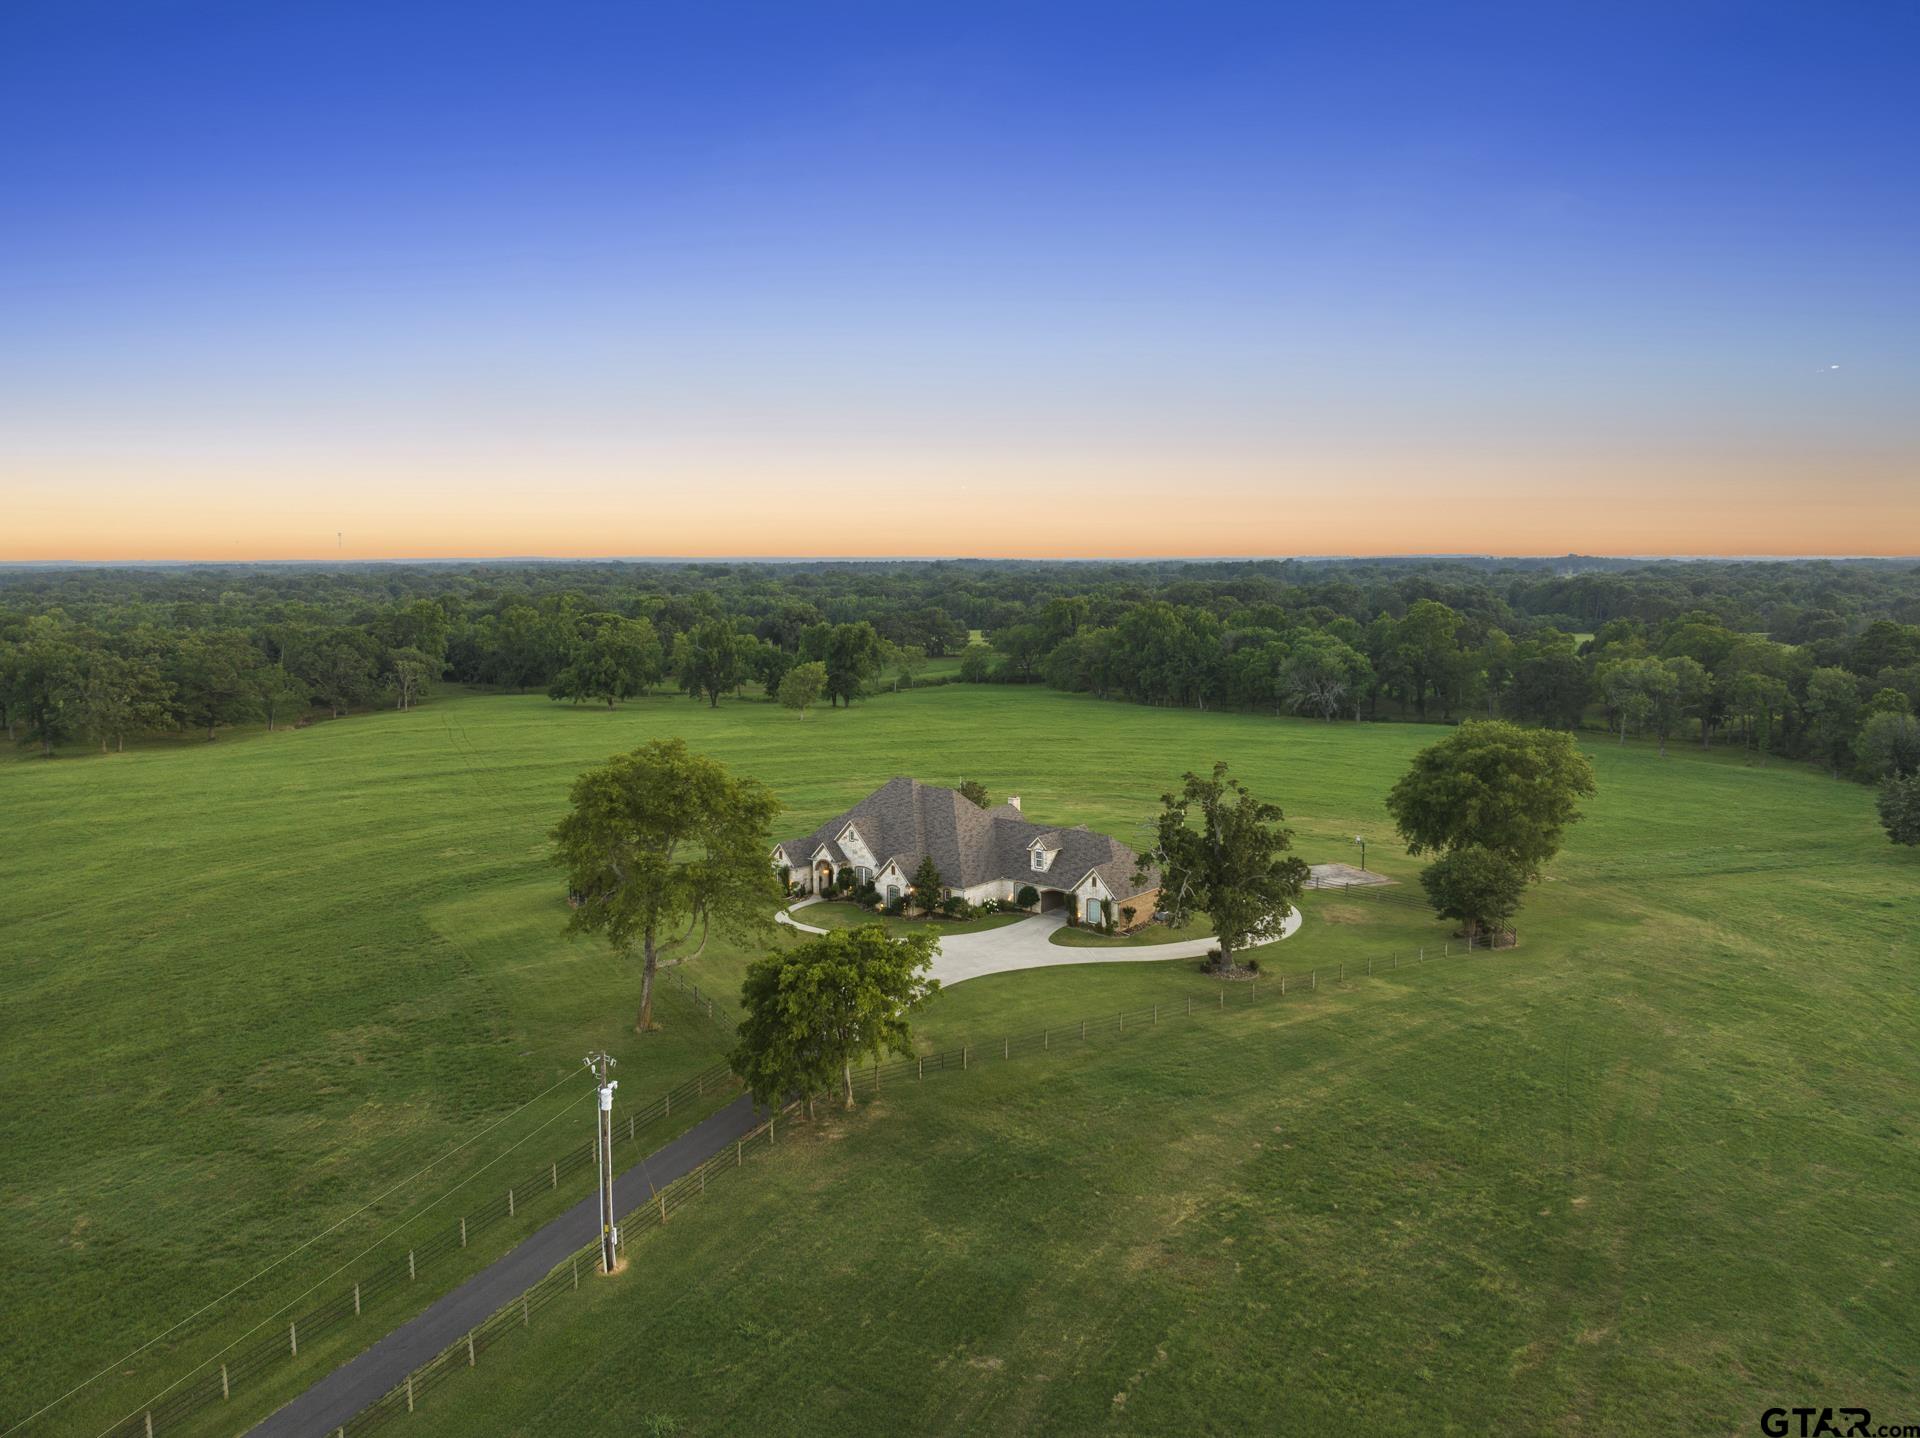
pixel 1817 660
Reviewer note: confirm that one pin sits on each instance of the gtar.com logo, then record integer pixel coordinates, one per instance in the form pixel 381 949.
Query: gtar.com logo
pixel 1830 1423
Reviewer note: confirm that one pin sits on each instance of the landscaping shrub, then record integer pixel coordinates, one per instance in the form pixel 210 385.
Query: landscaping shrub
pixel 1028 897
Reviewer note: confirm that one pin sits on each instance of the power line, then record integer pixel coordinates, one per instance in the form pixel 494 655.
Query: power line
pixel 214 1303
pixel 344 1266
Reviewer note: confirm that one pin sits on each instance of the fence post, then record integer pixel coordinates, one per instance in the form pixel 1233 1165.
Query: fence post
pixel 1369 965
pixel 1189 1005
pixel 923 1067
pixel 1083 1029
pixel 510 1192
pixel 629 1128
pixel 769 1130
pixel 409 1393
pixel 1343 971
pixel 1223 996
pixel 556 1172
pixel 1446 951
pixel 739 1152
pixel 576 1270
pixel 663 1208
pixel 469 1348
pixel 149 1423
pixel 876 1076
pixel 293 1340
pixel 410 1273
pixel 463 1233
pixel 525 1317
pixel 963 1058
pixel 1046 1038
pixel 225 1392
pixel 356 1300
pixel 1123 1022
pixel 1283 985
pixel 1313 981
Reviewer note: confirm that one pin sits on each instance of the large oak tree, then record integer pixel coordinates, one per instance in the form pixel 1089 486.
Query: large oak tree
pixel 1495 784
pixel 663 844
pixel 1222 852
pixel 813 1010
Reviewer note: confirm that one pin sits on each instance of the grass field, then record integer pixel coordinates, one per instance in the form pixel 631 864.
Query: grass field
pixel 1655 1168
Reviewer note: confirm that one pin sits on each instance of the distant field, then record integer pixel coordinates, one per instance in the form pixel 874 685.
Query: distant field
pixel 1660 1161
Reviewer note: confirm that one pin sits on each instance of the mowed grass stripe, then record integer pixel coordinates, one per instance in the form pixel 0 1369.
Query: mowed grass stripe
pixel 245 982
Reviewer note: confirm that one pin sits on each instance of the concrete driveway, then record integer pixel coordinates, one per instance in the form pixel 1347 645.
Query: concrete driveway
pixel 1029 945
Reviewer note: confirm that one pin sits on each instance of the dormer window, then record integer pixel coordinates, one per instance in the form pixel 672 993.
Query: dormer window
pixel 1039 858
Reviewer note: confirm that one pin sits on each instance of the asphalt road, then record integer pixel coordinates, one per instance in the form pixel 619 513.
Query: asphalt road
pixel 356 1384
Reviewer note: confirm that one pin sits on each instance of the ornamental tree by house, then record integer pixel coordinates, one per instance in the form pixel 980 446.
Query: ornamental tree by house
pixel 975 793
pixel 810 1012
pixel 1493 785
pixel 926 884
pixel 1476 886
pixel 661 843
pixel 1221 851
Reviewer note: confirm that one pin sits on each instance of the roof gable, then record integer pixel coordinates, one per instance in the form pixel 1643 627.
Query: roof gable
pixel 904 821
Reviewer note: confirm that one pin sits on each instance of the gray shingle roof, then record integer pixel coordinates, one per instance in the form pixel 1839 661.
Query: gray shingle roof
pixel 905 821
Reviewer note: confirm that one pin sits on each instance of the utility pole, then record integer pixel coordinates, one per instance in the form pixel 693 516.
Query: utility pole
pixel 600 1063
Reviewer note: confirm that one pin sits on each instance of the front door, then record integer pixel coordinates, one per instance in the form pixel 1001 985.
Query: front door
pixel 822 877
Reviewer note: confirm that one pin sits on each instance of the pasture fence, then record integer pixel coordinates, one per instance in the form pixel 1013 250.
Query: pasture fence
pixel 581 1266
pixel 217 1384
pixel 516 1314
pixel 248 1362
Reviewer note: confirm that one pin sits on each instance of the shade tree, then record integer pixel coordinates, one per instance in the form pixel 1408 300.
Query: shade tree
pixel 811 1012
pixel 1476 887
pixel 660 846
pixel 1219 850
pixel 802 686
pixel 1494 785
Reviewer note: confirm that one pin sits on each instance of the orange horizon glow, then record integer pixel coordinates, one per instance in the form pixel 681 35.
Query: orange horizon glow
pixel 1134 505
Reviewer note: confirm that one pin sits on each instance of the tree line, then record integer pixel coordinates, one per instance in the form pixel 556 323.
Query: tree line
pixel 1815 660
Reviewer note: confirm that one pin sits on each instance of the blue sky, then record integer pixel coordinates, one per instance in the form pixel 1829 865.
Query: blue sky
pixel 1342 278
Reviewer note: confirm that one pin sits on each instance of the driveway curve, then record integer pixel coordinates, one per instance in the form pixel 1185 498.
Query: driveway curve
pixel 1029 945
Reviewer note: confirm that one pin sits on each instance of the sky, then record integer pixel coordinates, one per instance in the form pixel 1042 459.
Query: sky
pixel 385 280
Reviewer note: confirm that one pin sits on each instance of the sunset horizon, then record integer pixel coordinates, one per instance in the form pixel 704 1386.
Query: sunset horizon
pixel 850 279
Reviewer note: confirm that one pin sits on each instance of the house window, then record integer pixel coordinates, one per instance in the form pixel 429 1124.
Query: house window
pixel 1092 911
pixel 864 874
pixel 1039 858
pixel 893 893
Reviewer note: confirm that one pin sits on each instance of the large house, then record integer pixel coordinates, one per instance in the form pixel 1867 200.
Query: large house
pixel 981 854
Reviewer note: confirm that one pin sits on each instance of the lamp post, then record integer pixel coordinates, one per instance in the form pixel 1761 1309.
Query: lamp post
pixel 1361 840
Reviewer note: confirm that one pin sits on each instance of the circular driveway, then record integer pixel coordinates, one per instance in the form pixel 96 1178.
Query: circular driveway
pixel 1029 945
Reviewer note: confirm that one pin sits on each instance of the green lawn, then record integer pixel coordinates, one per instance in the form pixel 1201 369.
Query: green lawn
pixel 1657 1166
pixel 840 915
